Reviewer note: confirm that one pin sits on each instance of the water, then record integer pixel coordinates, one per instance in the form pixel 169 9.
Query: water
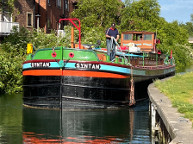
pixel 187 69
pixel 24 125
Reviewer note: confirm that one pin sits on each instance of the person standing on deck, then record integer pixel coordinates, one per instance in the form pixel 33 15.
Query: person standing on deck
pixel 111 32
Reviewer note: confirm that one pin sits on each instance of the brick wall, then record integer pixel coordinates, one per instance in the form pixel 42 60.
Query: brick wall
pixel 54 13
pixel 49 13
pixel 22 9
pixel 40 9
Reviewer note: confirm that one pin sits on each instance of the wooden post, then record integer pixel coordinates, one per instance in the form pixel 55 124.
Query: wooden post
pixel 153 120
pixel 72 37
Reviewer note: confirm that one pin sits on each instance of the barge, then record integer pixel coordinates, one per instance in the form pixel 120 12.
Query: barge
pixel 84 78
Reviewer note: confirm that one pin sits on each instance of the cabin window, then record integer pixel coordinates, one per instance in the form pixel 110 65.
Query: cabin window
pixel 29 19
pixel 137 37
pixel 147 37
pixel 127 36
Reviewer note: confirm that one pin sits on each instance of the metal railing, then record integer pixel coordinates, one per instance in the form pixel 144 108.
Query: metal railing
pixel 7 27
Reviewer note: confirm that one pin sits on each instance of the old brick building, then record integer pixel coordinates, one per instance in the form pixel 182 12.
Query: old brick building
pixel 43 14
pixel 24 12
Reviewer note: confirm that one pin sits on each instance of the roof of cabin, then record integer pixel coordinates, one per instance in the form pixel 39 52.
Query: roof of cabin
pixel 137 32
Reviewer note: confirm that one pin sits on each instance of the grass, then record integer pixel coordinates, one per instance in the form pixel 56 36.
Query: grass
pixel 179 89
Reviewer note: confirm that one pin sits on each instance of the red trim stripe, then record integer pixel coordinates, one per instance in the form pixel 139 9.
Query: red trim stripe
pixel 73 61
pixel 72 73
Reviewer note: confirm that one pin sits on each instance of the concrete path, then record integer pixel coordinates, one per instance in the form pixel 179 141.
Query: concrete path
pixel 179 128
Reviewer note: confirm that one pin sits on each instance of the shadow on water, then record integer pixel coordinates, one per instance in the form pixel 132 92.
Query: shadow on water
pixel 24 125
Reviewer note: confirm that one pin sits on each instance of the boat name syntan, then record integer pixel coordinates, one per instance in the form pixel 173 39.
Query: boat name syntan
pixel 87 66
pixel 40 64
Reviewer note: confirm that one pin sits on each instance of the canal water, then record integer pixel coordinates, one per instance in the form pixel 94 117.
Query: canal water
pixel 25 125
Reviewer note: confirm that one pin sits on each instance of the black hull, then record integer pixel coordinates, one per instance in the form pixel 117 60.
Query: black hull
pixel 75 92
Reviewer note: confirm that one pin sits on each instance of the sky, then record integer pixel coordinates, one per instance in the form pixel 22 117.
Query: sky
pixel 179 10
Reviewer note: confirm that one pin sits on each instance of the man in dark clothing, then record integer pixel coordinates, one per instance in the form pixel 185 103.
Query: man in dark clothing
pixel 112 32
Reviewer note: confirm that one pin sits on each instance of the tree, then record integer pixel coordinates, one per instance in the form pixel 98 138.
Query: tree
pixel 174 37
pixel 191 18
pixel 128 2
pixel 97 13
pixel 7 5
pixel 189 27
pixel 96 16
pixel 140 15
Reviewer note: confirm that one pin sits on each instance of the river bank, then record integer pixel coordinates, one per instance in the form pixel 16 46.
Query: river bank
pixel 179 89
pixel 171 100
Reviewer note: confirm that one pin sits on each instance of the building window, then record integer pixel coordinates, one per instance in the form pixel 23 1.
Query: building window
pixel 29 19
pixel 58 3
pixel 48 23
pixel 48 1
pixel 66 5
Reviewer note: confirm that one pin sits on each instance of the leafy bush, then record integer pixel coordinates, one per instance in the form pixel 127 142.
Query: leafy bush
pixel 10 72
pixel 13 53
pixel 91 35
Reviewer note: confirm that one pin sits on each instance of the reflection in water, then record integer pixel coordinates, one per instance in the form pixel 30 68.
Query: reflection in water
pixel 11 119
pixel 24 125
pixel 104 126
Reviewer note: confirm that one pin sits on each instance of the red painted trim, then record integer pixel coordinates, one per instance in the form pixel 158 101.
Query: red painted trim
pixel 41 60
pixel 72 73
pixel 73 61
pixel 105 63
pixel 100 62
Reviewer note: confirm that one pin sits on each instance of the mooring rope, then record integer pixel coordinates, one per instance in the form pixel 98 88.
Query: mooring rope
pixel 132 91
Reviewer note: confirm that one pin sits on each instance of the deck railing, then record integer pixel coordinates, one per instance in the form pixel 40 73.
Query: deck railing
pixel 7 27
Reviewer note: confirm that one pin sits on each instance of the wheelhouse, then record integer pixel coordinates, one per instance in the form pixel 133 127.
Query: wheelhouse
pixel 144 40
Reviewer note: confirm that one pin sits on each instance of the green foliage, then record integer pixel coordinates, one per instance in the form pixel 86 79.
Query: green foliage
pixel 191 16
pixel 128 2
pixel 11 72
pixel 42 40
pixel 175 38
pixel 140 15
pixel 17 41
pixel 8 5
pixel 97 13
pixel 12 55
pixel 94 34
pixel 189 27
